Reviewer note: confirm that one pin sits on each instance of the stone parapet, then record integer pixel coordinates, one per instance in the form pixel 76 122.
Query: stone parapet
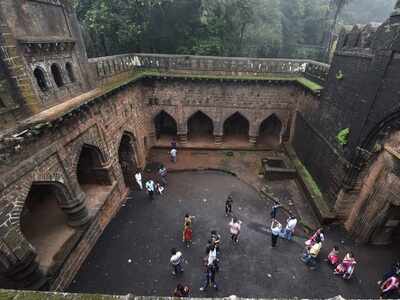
pixel 234 66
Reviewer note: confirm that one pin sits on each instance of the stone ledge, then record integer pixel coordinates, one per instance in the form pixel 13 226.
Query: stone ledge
pixel 29 295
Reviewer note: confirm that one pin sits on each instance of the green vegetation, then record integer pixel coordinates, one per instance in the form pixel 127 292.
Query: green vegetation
pixel 252 28
pixel 311 187
pixel 343 136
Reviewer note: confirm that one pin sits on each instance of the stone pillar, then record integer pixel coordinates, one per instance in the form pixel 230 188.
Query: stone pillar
pixel 76 212
pixel 182 138
pixel 252 141
pixel 218 139
pixel 18 262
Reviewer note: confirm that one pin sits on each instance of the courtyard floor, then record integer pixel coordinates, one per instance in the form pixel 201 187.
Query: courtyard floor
pixel 144 231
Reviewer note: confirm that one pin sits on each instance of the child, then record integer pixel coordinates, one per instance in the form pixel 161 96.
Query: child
pixel 235 229
pixel 333 256
pixel 228 205
pixel 187 235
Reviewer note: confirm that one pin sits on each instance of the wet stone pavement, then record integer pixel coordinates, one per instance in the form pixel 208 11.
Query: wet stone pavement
pixel 132 256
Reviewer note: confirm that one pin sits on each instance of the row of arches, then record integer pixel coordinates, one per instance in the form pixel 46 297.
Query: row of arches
pixel 235 128
pixel 57 75
pixel 45 220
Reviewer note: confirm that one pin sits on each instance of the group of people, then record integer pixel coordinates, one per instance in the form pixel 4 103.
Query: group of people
pixel 153 187
pixel 389 284
pixel 212 252
pixel 276 227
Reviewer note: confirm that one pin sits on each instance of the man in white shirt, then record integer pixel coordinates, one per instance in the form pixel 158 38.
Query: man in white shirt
pixel 150 186
pixel 138 177
pixel 176 261
pixel 173 155
pixel 276 229
pixel 290 226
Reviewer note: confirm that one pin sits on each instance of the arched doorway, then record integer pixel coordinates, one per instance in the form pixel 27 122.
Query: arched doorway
pixel 127 159
pixel 236 128
pixel 165 125
pixel 200 128
pixel 93 177
pixel 269 133
pixel 44 224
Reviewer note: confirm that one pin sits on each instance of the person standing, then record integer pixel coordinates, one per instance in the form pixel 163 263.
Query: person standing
pixel 176 261
pixel 274 210
pixel 163 174
pixel 150 186
pixel 138 177
pixel 234 226
pixel 290 226
pixel 276 229
pixel 173 154
pixel 210 273
pixel 187 234
pixel 228 205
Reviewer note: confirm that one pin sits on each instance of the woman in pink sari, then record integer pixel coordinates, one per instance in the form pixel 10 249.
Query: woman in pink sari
pixel 346 268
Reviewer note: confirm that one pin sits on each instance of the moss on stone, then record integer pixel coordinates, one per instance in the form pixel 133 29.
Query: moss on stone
pixel 32 295
pixel 317 199
pixel 314 87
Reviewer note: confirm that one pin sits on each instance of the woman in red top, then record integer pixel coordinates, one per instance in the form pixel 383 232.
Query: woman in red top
pixel 187 234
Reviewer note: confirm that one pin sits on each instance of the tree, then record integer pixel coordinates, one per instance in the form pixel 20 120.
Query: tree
pixel 335 8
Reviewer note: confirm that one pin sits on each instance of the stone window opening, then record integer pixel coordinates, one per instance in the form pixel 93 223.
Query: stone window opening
pixel 236 129
pixel 165 126
pixel 44 224
pixel 70 72
pixel 93 177
pixel 127 160
pixel 270 132
pixel 57 75
pixel 41 79
pixel 200 128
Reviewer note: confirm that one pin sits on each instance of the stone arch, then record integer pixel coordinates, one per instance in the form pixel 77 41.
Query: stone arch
pixel 270 131
pixel 127 157
pixel 44 220
pixel 236 127
pixel 200 127
pixel 165 125
pixel 93 175
pixel 40 76
pixel 57 74
pixel 374 137
pixel 91 166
